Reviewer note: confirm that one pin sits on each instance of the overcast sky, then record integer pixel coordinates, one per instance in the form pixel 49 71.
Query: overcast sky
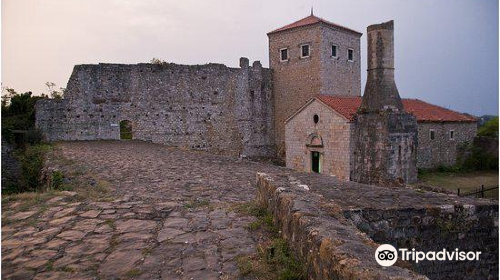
pixel 446 51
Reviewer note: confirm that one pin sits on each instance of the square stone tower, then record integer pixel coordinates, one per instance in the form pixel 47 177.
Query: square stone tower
pixel 385 136
pixel 310 57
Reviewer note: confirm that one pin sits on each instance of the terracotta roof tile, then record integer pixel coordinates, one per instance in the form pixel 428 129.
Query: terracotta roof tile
pixel 309 21
pixel 423 111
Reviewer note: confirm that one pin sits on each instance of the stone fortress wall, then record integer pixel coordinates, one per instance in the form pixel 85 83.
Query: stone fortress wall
pixel 209 107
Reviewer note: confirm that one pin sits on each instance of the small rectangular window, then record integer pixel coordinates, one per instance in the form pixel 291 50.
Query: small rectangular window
pixel 350 54
pixel 304 51
pixel 334 51
pixel 452 134
pixel 284 54
pixel 432 134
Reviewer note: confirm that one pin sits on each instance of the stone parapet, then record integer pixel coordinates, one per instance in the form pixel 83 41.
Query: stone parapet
pixel 331 247
pixel 335 228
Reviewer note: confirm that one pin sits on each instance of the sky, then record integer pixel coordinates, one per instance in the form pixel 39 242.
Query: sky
pixel 446 51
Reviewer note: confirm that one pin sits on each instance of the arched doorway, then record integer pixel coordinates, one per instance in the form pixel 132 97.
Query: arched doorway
pixel 125 129
pixel 315 146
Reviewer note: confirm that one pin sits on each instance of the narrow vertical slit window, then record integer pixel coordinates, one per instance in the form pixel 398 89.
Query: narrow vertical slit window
pixel 334 51
pixel 350 55
pixel 305 51
pixel 284 54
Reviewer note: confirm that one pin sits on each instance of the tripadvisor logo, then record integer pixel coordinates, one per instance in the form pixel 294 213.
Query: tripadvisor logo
pixel 387 255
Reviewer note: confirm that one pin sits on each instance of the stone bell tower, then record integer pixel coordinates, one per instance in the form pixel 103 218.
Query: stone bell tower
pixel 385 136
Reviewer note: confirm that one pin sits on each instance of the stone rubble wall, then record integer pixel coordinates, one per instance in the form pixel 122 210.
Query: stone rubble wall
pixel 331 248
pixel 466 227
pixel 334 228
pixel 208 107
pixel 442 151
pixel 10 165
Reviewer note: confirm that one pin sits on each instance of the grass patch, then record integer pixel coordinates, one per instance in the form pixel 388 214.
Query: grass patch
pixel 111 224
pixel 466 181
pixel 273 259
pixel 196 203
pixel 133 272
pixel 67 269
pixel 27 199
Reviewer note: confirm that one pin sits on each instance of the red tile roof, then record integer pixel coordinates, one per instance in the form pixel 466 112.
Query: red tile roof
pixel 310 20
pixel 423 111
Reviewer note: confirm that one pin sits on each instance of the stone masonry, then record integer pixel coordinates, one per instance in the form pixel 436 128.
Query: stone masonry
pixel 443 150
pixel 385 136
pixel 298 79
pixel 336 227
pixel 335 133
pixel 206 107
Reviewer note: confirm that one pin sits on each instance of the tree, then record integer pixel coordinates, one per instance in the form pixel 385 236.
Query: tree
pixel 490 128
pixel 18 112
pixel 155 60
pixel 55 94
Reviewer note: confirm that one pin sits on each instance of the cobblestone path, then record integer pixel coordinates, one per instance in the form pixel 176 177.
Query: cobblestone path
pixel 170 217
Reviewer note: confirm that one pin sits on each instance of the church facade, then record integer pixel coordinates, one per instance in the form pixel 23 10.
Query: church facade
pixel 300 109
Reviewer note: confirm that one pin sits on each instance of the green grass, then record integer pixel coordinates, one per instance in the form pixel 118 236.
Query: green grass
pixel 196 204
pixel 466 181
pixel 273 259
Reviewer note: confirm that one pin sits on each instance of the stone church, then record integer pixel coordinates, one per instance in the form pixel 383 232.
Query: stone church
pixel 306 108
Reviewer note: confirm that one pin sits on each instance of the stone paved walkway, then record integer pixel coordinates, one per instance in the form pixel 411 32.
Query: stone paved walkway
pixel 170 218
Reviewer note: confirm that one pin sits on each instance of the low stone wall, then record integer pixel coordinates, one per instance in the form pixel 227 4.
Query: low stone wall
pixel 329 244
pixel 463 227
pixel 336 232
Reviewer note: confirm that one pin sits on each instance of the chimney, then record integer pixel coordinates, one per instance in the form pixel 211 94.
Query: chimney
pixel 385 136
pixel 381 92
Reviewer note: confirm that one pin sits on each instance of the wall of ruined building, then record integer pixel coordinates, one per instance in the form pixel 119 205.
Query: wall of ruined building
pixel 335 132
pixel 10 165
pixel 466 227
pixel 206 107
pixel 442 151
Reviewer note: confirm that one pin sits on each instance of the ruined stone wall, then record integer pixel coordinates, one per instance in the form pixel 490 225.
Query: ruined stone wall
pixel 462 227
pixel 206 107
pixel 442 151
pixel 10 165
pixel 334 131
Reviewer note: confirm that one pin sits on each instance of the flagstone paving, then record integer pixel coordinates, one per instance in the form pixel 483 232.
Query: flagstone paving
pixel 169 216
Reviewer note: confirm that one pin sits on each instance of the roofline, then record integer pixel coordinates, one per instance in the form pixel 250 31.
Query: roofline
pixel 320 21
pixel 309 102
pixel 476 119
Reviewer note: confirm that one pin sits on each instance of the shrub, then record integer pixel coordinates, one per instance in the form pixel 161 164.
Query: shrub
pixel 57 179
pixel 31 161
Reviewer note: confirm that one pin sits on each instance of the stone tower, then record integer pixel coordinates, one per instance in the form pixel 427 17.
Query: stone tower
pixel 385 136
pixel 309 57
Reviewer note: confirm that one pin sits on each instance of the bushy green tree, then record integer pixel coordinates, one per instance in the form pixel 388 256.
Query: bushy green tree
pixel 18 112
pixel 489 129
